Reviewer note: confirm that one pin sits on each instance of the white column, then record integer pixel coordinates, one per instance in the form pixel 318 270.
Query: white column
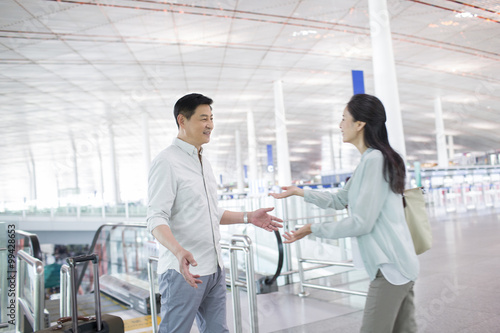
pixel 451 148
pixel 440 137
pixel 101 176
pixel 32 171
pixel 283 157
pixel 146 151
pixel 240 183
pixel 114 166
pixel 384 73
pixel 340 145
pixel 332 147
pixel 75 163
pixel 252 155
pixel 75 174
pixel 326 155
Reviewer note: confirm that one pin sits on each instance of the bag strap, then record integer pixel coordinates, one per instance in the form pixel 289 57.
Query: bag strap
pixel 404 200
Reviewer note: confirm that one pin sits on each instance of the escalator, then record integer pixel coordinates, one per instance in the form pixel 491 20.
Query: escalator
pixel 123 250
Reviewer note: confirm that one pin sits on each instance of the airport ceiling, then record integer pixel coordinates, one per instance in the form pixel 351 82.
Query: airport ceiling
pixel 71 72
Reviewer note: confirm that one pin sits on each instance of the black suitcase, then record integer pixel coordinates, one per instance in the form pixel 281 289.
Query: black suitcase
pixel 78 324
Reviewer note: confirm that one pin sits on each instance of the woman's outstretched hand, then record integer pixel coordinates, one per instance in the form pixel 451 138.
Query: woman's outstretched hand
pixel 298 234
pixel 288 191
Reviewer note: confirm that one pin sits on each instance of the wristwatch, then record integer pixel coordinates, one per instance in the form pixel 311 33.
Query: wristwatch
pixel 245 218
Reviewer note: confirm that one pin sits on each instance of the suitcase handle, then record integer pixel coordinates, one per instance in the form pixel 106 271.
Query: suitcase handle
pixel 72 261
pixel 86 257
pixel 63 320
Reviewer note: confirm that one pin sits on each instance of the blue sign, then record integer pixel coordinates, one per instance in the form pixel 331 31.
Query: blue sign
pixel 358 82
pixel 270 163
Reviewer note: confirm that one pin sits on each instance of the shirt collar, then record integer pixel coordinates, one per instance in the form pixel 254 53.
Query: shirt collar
pixel 187 147
pixel 367 151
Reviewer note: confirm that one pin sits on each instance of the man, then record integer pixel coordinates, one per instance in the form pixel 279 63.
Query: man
pixel 184 217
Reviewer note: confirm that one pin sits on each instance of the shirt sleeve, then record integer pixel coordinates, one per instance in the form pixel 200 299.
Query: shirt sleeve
pixel 367 197
pixel 325 200
pixel 161 194
pixel 221 212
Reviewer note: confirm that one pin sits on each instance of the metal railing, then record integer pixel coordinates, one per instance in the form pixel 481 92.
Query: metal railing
pixel 237 284
pixel 320 264
pixel 33 243
pixel 238 243
pixel 35 318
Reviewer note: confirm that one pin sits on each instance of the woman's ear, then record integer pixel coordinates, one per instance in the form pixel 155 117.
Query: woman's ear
pixel 360 125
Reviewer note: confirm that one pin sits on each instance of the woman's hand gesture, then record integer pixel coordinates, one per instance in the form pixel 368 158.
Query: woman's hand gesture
pixel 288 191
pixel 298 234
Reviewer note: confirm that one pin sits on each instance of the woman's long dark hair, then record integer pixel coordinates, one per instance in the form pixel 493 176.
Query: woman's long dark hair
pixel 369 109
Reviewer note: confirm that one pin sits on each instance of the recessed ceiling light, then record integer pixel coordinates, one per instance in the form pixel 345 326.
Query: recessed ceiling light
pixel 304 33
pixel 300 150
pixel 465 14
pixel 484 125
pixel 417 138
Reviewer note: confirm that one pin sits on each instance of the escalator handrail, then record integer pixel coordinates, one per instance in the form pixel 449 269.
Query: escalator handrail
pixel 96 238
pixel 270 281
pixel 34 242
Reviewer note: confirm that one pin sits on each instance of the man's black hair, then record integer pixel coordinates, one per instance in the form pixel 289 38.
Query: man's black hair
pixel 187 104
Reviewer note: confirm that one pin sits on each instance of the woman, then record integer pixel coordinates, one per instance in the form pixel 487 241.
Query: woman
pixel 376 218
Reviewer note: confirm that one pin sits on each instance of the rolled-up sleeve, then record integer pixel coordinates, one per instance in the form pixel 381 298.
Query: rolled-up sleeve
pixel 161 194
pixel 220 211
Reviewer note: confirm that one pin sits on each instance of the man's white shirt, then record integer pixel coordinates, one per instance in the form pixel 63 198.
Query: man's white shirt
pixel 183 195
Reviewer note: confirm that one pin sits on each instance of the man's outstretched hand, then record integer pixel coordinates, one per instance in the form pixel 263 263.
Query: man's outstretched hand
pixel 260 218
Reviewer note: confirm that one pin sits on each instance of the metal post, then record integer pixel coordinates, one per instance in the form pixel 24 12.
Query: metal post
pixel 152 294
pixel 74 308
pixel 288 252
pixel 63 286
pixel 97 294
pixel 252 301
pixel 302 292
pixel 235 292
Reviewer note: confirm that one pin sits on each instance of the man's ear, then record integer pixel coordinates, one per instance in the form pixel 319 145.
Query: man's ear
pixel 181 119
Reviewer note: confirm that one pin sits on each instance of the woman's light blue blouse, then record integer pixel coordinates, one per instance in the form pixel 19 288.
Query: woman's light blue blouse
pixel 376 218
